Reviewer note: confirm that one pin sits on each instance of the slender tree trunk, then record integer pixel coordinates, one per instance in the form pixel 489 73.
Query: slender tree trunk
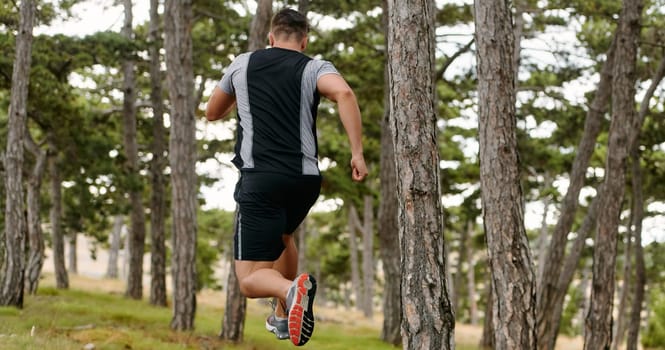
pixel 137 216
pixel 61 277
pixel 584 290
pixel 428 318
pixel 303 6
pixel 640 270
pixel 35 262
pixel 620 325
pixel 368 257
pixel 112 268
pixel 543 237
pixel 178 21
pixel 157 165
pixel 233 323
pixel 638 199
pixel 388 229
pixel 71 242
pixel 301 236
pixel 471 276
pixel 13 264
pixel 550 276
pixel 487 338
pixel 513 279
pixel 353 251
pixel 598 322
pixel 458 282
pixel 260 26
pixel 236 302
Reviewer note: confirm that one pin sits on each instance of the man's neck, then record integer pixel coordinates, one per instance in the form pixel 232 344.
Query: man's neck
pixel 288 45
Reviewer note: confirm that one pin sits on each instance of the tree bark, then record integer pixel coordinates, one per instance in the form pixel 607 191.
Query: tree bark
pixel 550 276
pixel 137 215
pixel 157 165
pixel 353 252
pixel 598 322
pixel 35 261
pixel 61 277
pixel 260 26
pixel 640 269
pixel 368 257
pixel 233 323
pixel 620 325
pixel 471 276
pixel 182 151
pixel 487 338
pixel 71 242
pixel 112 267
pixel 13 264
pixel 543 239
pixel 301 239
pixel 513 279
pixel 428 318
pixel 638 199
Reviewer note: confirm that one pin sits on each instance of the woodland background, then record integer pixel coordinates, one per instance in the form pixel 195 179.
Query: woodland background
pixel 99 157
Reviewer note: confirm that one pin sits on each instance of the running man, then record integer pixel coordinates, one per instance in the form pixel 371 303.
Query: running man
pixel 277 91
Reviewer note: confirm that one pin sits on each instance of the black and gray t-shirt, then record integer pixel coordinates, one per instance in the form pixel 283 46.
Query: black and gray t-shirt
pixel 277 100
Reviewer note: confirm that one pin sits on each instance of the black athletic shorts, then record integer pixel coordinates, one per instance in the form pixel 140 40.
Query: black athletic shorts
pixel 270 205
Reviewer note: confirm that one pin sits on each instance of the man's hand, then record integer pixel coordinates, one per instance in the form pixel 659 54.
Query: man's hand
pixel 358 169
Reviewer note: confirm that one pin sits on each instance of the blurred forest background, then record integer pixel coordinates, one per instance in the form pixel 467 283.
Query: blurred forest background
pixel 96 165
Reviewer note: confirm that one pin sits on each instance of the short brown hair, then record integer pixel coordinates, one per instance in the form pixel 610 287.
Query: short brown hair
pixel 289 22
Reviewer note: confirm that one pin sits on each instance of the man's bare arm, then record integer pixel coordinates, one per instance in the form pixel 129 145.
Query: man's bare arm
pixel 220 104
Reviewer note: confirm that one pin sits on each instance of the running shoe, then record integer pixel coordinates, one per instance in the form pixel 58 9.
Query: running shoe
pixel 300 300
pixel 277 326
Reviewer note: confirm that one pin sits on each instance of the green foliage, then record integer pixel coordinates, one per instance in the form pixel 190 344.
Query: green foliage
pixel 654 335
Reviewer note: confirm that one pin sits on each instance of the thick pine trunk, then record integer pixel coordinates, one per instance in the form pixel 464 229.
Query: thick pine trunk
pixel 260 26
pixel 61 277
pixel 157 165
pixel 598 322
pixel 35 257
pixel 13 264
pixel 513 279
pixel 428 320
pixel 178 19
pixel 137 215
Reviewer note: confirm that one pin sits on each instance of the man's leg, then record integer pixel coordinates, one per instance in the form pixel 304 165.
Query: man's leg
pixel 258 279
pixel 287 265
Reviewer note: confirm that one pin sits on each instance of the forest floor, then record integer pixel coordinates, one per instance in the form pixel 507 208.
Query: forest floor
pixel 94 311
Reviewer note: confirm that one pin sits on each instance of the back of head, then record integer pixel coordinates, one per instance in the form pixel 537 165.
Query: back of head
pixel 288 24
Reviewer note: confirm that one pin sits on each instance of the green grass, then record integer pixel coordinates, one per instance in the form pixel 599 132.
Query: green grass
pixel 69 319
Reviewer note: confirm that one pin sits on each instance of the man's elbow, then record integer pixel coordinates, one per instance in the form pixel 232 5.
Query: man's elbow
pixel 211 116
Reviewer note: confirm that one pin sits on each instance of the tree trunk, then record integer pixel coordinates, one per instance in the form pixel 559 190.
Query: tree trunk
pixel 640 270
pixel 458 282
pixel 61 277
pixel 35 261
pixel 598 322
pixel 388 230
pixel 182 151
pixel 513 279
pixel 487 338
pixel 157 165
pixel 236 302
pixel 303 6
pixel 353 251
pixel 428 319
pixel 546 302
pixel 301 237
pixel 368 257
pixel 543 239
pixel 638 199
pixel 260 26
pixel 112 268
pixel 233 323
pixel 137 216
pixel 620 325
pixel 471 276
pixel 71 242
pixel 13 264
